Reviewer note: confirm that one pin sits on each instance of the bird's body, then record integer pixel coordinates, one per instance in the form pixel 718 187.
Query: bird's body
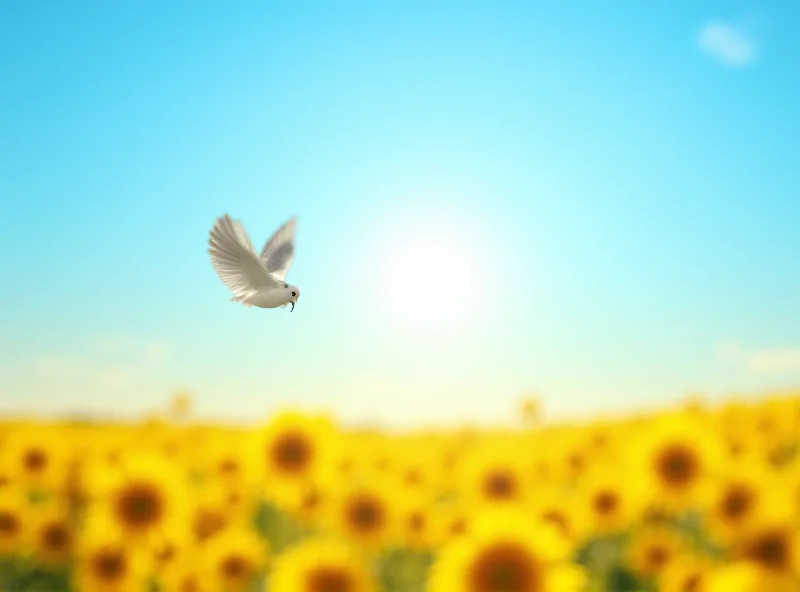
pixel 254 280
pixel 266 298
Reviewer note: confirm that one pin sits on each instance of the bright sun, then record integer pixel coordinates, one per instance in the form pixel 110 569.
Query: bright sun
pixel 429 276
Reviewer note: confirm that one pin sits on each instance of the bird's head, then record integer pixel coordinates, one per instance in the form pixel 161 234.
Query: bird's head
pixel 293 293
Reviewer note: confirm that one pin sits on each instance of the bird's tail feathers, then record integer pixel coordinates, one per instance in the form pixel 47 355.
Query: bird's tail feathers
pixel 242 298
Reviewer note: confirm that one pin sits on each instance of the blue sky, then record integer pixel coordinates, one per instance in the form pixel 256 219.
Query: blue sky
pixel 624 184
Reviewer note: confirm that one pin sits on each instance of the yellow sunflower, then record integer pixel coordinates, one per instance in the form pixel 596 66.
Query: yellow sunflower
pixel 676 458
pixel 542 471
pixel 651 550
pixel 562 511
pixel 234 558
pixel 608 503
pixel 415 474
pixel 144 499
pixel 505 552
pixel 14 516
pixel 172 548
pixel 687 573
pixel 447 461
pixel 309 504
pixel 180 404
pixel 772 545
pixel 530 410
pixel 450 521
pixel 574 456
pixel 185 572
pixel 51 538
pixel 210 512
pixel 738 497
pixel 105 563
pixel 291 451
pixel 36 457
pixel 363 512
pixel 773 422
pixel 603 439
pixel 415 523
pixel 322 565
pixel 494 474
pixel 226 461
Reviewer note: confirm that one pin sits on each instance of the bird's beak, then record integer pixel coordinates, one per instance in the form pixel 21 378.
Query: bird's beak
pixel 292 303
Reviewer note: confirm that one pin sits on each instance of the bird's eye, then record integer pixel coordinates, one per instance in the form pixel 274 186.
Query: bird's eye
pixel 294 293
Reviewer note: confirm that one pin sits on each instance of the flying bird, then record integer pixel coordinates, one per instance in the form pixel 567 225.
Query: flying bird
pixel 254 280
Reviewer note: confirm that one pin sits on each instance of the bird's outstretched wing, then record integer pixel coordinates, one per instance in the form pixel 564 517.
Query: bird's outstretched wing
pixel 278 253
pixel 235 260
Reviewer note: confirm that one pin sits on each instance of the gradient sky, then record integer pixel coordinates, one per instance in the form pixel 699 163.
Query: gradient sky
pixel 625 183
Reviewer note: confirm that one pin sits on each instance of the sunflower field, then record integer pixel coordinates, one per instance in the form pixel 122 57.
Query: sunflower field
pixel 691 499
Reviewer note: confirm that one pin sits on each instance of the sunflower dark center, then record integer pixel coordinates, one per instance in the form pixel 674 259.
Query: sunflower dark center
pixel 557 519
pixel 416 522
pixel 692 583
pixel 235 567
pixel 292 452
pixel 311 500
pixel 678 465
pixel 458 526
pixel 365 513
pixel 503 567
pixel 229 466
pixel 56 536
pixel 189 584
pixel 140 505
pixel 413 477
pixel 736 502
pixel 449 461
pixel 657 557
pixel 500 485
pixel 9 524
pixel 35 460
pixel 766 425
pixel 207 523
pixel 771 549
pixel 600 439
pixel 606 502
pixel 166 553
pixel 329 579
pixel 576 461
pixel 109 565
pixel 735 448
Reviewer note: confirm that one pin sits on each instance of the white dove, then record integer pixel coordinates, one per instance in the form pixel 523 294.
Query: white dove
pixel 254 280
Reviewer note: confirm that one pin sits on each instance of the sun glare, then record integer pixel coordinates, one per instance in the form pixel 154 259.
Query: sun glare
pixel 429 277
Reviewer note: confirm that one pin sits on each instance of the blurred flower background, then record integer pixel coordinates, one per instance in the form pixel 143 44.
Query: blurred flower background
pixel 690 499
pixel 549 338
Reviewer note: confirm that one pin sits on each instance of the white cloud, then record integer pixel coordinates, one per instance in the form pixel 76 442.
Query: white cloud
pixel 778 360
pixel 727 43
pixel 760 361
pixel 107 363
